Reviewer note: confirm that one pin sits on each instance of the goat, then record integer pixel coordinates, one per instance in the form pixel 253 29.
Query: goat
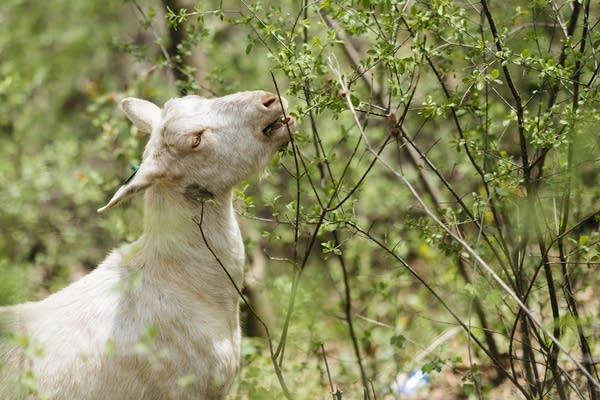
pixel 158 318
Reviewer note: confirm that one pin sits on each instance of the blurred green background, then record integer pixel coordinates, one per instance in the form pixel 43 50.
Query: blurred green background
pixel 65 147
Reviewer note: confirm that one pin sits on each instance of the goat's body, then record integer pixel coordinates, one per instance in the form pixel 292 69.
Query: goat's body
pixel 158 319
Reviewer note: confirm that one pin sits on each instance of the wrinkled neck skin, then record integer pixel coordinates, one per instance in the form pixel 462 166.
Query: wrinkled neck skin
pixel 172 246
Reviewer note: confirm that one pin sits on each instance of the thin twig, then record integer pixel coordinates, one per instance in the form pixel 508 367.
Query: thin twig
pixel 349 318
pixel 336 393
pixel 278 371
pixel 518 102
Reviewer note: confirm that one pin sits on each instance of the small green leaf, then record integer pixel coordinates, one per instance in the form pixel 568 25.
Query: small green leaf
pixel 398 341
pixel 502 192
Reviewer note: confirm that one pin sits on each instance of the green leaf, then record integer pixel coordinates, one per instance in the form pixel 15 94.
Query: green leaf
pixel 502 192
pixel 398 341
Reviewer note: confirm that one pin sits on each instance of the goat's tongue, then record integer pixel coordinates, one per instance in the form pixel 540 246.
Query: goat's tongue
pixel 276 125
pixel 279 124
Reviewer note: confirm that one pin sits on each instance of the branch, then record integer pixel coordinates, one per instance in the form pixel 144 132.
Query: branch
pixel 349 319
pixel 336 393
pixel 278 372
pixel 567 286
pixel 515 93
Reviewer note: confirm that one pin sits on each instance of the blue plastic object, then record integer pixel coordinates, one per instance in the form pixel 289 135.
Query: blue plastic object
pixel 410 383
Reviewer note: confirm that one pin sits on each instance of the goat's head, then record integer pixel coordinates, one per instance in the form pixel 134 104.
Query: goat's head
pixel 210 143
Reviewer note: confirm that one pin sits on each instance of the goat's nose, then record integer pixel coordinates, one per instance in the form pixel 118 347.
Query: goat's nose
pixel 268 100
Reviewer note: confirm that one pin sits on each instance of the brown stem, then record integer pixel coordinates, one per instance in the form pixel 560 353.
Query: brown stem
pixel 349 319
pixel 588 361
pixel 199 221
pixel 518 103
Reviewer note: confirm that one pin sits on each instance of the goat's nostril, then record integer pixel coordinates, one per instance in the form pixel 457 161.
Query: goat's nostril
pixel 268 102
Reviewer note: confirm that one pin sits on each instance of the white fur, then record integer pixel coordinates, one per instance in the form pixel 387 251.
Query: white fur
pixel 160 311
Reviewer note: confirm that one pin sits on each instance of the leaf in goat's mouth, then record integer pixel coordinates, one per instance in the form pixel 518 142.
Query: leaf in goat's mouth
pixel 275 125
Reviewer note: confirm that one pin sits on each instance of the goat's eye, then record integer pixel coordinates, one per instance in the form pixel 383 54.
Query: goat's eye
pixel 197 139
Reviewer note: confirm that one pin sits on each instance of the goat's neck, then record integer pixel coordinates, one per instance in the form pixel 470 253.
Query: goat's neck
pixel 168 215
pixel 173 242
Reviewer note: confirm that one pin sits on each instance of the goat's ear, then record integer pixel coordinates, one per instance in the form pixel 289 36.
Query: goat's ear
pixel 143 178
pixel 145 115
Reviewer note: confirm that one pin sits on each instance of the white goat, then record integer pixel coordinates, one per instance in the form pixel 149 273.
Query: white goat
pixel 158 318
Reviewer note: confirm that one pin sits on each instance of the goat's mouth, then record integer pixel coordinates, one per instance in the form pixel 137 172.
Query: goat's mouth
pixel 277 125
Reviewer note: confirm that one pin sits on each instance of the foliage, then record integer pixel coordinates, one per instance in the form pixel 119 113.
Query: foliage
pixel 443 175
